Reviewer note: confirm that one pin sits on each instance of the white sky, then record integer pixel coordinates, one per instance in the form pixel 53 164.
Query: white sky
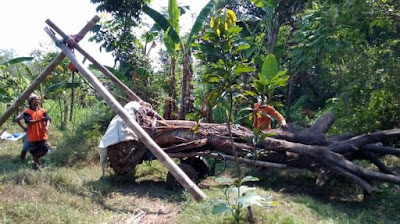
pixel 22 23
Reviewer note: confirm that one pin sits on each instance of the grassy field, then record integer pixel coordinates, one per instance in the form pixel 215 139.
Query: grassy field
pixel 72 189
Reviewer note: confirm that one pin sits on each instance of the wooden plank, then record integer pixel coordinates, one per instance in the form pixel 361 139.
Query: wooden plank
pixel 39 79
pixel 179 175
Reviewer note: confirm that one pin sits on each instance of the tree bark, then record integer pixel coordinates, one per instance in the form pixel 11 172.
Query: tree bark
pixel 170 111
pixel 290 147
pixel 187 87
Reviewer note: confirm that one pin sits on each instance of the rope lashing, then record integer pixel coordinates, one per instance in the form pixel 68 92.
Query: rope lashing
pixel 59 43
pixel 66 38
pixel 70 41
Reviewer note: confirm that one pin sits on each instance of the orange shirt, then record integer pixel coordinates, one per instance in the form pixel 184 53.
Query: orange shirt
pixel 36 131
pixel 262 119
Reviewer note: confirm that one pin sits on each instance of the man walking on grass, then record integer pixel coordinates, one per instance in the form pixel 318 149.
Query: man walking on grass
pixel 38 123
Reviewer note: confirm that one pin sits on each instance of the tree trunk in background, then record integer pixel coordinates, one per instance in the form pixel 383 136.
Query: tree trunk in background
pixel 273 34
pixel 62 125
pixel 289 97
pixel 187 98
pixel 65 119
pixel 71 112
pixel 170 111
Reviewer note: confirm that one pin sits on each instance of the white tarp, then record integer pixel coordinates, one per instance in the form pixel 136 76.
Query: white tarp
pixel 118 131
pixel 12 137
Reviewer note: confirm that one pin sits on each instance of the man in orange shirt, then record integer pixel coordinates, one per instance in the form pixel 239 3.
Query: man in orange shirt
pixel 262 118
pixel 38 123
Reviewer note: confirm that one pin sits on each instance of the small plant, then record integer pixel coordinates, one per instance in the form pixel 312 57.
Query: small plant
pixel 238 197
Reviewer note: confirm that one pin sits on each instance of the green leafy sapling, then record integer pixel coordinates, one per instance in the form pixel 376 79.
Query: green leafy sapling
pixel 238 197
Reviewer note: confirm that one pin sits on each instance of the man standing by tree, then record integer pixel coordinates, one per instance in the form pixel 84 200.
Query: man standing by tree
pixel 38 123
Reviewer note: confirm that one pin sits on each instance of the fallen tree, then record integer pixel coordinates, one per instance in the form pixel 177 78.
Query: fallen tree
pixel 290 147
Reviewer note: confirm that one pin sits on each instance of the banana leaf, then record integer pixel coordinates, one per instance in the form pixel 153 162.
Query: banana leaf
pixel 162 22
pixel 199 22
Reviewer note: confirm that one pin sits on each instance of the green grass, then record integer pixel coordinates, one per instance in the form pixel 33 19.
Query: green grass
pixel 71 189
pixel 80 194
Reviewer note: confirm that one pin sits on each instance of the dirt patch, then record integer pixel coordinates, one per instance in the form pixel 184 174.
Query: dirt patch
pixel 143 209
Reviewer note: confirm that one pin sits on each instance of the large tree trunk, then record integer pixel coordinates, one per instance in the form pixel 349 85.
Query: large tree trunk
pixel 291 147
pixel 170 111
pixel 187 99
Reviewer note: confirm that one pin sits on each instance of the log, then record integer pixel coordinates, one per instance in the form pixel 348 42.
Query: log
pixel 179 175
pixel 381 166
pixel 353 144
pixel 185 146
pixel 313 156
pixel 250 162
pixel 39 79
pixel 213 140
pixel 381 149
pixel 307 148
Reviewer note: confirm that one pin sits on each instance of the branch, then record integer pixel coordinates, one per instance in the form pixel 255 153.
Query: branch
pixel 355 143
pixel 381 149
pixel 353 177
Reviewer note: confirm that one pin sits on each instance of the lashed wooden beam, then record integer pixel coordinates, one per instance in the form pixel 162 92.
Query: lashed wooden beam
pixel 104 70
pixel 179 175
pixel 39 79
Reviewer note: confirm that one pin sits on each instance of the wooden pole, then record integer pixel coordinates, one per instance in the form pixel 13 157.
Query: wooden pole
pixel 179 175
pixel 103 69
pixel 117 82
pixel 39 79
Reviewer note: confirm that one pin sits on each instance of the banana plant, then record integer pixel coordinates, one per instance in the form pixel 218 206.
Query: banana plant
pixel 173 42
pixel 14 83
pixel 270 78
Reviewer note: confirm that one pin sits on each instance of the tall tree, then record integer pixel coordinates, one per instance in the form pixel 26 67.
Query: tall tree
pixel 131 55
pixel 173 39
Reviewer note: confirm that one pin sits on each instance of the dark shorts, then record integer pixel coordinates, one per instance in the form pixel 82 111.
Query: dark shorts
pixel 40 146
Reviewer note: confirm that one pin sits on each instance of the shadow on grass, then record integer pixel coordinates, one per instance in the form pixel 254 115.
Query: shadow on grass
pixel 11 164
pixel 337 197
pixel 127 186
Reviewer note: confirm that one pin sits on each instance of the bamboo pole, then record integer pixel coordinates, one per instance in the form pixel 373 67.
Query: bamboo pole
pixel 39 79
pixel 103 69
pixel 179 175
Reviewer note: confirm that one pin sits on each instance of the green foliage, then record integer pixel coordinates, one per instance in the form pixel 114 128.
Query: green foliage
pixel 15 75
pixel 162 22
pixel 270 77
pixel 80 145
pixel 198 24
pixel 346 63
pixel 264 3
pixel 130 9
pixel 15 61
pixel 174 14
pixel 220 51
pixel 237 198
pixel 115 36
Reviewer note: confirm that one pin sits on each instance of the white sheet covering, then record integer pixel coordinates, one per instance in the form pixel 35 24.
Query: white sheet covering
pixel 118 131
pixel 12 137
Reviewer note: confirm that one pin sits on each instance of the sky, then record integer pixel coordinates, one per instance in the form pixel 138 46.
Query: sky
pixel 22 23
